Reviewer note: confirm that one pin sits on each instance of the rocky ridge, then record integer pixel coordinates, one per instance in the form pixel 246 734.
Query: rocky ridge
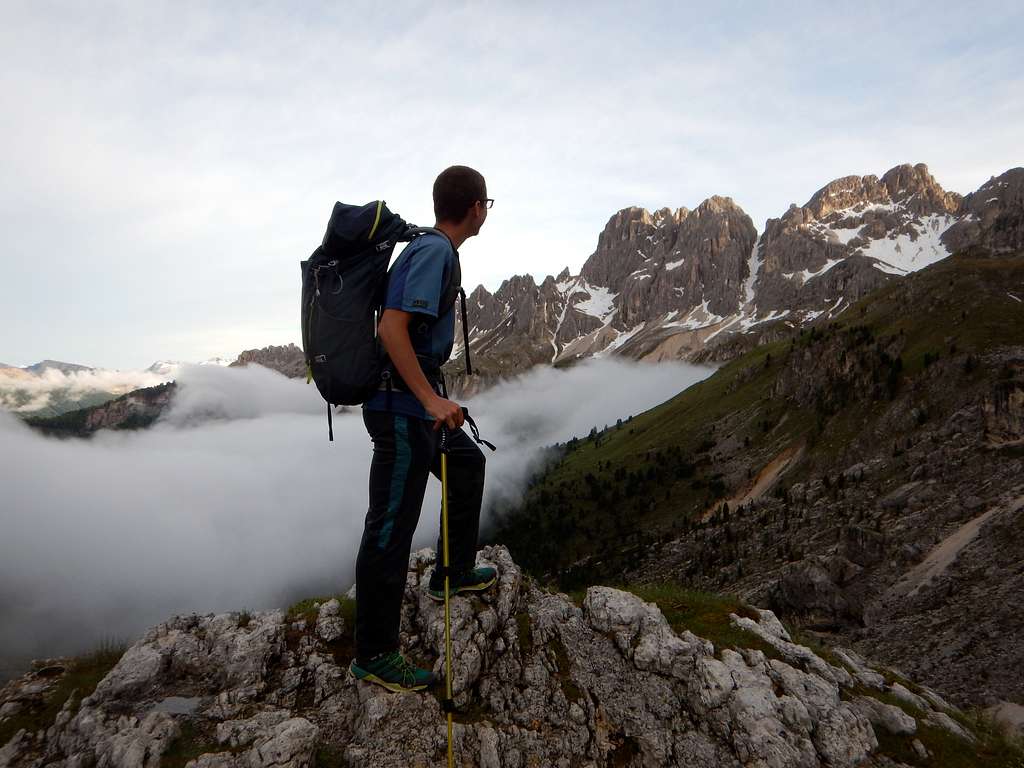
pixel 674 284
pixel 538 680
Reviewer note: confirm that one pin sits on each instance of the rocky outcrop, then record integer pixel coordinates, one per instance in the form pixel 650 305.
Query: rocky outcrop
pixel 1003 407
pixel 287 359
pixel 992 217
pixel 537 679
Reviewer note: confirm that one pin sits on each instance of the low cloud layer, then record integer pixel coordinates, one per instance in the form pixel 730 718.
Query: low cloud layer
pixel 24 392
pixel 236 499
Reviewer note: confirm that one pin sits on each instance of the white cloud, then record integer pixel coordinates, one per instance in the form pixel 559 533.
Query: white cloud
pixel 237 499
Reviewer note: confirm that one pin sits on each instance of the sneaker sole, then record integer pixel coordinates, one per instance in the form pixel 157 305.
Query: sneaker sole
pixel 474 588
pixel 396 687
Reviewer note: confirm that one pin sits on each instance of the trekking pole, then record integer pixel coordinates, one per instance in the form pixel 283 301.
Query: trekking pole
pixel 449 704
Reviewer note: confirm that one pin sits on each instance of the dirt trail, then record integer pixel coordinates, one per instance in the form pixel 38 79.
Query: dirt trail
pixel 946 552
pixel 764 481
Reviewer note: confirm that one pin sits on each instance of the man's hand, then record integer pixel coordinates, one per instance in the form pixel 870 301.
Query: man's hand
pixel 445 412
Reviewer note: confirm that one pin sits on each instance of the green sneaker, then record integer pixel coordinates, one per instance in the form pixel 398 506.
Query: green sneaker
pixel 476 580
pixel 394 672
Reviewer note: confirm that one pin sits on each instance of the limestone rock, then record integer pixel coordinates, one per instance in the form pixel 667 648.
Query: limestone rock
pixel 892 719
pixel 538 680
pixel 329 624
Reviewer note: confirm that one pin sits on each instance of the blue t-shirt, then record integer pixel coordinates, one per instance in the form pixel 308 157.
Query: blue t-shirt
pixel 417 278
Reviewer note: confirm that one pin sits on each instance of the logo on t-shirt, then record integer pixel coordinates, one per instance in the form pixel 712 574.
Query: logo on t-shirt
pixel 420 303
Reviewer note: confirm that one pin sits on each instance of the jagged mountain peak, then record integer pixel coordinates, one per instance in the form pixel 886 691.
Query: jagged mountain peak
pixel 910 186
pixel 624 224
pixel 717 204
pixel 1006 188
pixel 993 216
pixel 840 194
pixel 914 186
pixel 514 288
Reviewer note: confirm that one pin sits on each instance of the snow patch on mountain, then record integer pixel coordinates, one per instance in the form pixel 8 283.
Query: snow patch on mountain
pixel 600 303
pixel 909 252
pixel 621 339
pixel 753 269
pixel 807 274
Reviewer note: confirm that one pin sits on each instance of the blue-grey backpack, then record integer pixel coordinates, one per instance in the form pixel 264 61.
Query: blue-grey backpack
pixel 343 289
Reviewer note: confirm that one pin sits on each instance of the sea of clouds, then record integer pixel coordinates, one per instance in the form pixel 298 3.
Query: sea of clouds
pixel 236 499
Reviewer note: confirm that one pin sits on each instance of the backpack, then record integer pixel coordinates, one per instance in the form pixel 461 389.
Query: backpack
pixel 343 290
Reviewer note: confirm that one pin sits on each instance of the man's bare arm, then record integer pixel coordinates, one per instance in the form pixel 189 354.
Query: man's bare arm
pixel 394 335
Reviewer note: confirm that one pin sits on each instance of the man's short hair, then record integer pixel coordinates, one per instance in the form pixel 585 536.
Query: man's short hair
pixel 455 190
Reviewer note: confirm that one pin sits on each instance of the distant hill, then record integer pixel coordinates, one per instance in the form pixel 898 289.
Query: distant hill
pixel 136 410
pixel 56 365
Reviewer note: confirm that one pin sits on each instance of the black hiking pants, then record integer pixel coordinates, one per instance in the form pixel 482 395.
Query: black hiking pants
pixel 405 451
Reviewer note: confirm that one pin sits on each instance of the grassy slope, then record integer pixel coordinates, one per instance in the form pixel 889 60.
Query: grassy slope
pixel 610 496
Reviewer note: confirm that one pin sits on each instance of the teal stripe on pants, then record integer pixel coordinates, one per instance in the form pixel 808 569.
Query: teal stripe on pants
pixel 403 455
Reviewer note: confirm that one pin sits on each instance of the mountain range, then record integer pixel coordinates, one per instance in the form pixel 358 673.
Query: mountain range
pixel 676 284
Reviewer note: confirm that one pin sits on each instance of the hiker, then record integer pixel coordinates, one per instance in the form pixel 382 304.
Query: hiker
pixel 404 419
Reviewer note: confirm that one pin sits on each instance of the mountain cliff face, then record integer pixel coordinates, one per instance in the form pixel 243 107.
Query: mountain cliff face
pixel 538 679
pixel 676 284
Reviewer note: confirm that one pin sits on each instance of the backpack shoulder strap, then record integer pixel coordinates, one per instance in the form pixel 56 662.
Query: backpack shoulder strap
pixel 452 288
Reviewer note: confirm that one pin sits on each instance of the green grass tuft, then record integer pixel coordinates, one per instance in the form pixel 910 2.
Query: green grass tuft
pixel 706 615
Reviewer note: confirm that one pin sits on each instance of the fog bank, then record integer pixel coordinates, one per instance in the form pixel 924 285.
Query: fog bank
pixel 236 499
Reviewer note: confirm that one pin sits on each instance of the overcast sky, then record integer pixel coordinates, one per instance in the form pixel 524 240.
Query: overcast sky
pixel 164 167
